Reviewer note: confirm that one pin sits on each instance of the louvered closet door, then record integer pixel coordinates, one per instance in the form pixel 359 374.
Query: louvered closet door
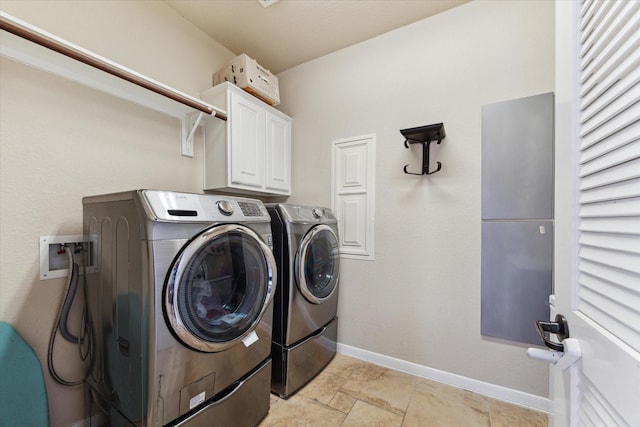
pixel 597 281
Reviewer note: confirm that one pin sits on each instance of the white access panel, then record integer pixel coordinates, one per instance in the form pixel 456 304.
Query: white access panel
pixel 353 229
pixel 353 188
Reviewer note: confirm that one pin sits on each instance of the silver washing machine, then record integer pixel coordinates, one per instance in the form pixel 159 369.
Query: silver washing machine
pixel 305 323
pixel 179 301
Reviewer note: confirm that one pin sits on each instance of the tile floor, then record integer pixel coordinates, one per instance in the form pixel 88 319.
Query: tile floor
pixel 351 392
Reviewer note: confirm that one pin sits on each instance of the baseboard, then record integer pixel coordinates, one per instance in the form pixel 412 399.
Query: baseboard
pixel 487 389
pixel 96 420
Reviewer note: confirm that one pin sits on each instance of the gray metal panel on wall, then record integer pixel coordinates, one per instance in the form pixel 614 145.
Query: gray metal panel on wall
pixel 517 158
pixel 517 261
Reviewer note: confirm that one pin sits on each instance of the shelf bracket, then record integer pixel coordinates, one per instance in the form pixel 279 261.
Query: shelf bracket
pixel 424 135
pixel 189 125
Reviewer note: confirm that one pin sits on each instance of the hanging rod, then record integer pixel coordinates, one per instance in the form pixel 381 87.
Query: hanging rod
pixel 28 32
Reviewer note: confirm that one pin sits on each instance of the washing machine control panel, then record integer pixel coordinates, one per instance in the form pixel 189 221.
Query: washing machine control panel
pixel 189 207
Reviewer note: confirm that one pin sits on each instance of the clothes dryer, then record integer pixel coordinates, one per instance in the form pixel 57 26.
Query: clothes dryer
pixel 305 329
pixel 179 301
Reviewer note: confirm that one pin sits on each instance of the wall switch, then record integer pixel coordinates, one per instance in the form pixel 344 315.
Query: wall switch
pixel 267 3
pixel 54 261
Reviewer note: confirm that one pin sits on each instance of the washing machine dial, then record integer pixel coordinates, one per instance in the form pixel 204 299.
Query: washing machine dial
pixel 318 213
pixel 225 207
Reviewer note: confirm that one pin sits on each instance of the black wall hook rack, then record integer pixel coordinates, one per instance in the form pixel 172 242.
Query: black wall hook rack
pixel 424 135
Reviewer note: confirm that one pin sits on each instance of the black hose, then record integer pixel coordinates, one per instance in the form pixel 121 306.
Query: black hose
pixel 66 307
pixel 73 268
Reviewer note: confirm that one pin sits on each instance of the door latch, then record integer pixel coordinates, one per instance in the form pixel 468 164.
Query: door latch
pixel 563 353
pixel 560 328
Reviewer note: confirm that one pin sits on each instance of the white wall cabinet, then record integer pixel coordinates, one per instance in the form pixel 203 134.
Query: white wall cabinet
pixel 250 152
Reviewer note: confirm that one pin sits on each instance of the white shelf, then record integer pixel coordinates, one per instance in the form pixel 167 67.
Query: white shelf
pixel 32 46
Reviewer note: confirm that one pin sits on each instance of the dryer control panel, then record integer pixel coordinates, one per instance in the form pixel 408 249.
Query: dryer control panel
pixel 307 214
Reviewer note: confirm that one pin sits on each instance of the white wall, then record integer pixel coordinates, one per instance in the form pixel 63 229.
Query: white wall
pixel 61 141
pixel 419 300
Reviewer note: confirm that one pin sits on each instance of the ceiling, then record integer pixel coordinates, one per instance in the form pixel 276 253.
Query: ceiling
pixel 287 33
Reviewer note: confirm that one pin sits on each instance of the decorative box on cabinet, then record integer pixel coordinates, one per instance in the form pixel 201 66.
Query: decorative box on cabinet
pixel 251 151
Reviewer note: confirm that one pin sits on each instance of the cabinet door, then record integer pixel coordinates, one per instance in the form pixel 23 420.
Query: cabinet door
pixel 247 142
pixel 278 154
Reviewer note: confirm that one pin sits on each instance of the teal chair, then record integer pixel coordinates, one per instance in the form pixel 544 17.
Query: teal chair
pixel 23 396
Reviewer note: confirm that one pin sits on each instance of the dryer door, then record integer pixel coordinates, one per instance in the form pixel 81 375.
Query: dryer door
pixel 317 264
pixel 218 287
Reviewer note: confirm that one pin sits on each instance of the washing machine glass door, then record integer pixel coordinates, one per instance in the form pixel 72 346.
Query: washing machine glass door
pixel 219 287
pixel 317 264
